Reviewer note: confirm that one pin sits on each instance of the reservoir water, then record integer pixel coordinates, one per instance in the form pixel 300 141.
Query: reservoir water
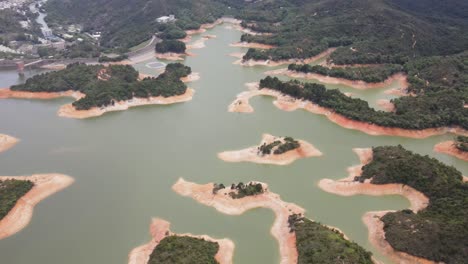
pixel 125 163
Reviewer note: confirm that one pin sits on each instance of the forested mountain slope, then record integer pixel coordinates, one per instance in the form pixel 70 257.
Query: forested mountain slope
pixel 126 23
pixel 378 31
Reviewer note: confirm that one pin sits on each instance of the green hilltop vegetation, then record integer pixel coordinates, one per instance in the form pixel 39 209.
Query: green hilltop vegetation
pixel 439 232
pixel 279 147
pixel 440 86
pixel 184 250
pixel 319 244
pixel 241 190
pixel 103 86
pixel 10 192
pixel 369 74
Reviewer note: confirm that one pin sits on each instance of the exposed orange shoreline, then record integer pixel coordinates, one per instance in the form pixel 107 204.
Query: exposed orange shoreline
pixel 386 105
pixel 361 85
pixel 6 142
pixel 251 45
pixel 70 111
pixel 225 204
pixel 282 62
pixel 159 229
pixel 348 187
pixel 287 103
pixel 448 147
pixel 21 214
pixel 251 154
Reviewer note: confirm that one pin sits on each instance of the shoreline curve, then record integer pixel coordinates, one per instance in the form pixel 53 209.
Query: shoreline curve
pixel 224 204
pixel 447 147
pixel 21 214
pixel 349 187
pixel 358 84
pixel 288 103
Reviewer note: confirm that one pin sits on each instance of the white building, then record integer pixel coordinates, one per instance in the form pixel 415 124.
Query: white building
pixel 165 19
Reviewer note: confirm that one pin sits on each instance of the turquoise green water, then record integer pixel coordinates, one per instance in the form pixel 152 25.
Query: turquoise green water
pixel 125 163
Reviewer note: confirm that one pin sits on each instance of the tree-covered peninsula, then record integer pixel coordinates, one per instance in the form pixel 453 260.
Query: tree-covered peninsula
pixel 369 74
pixel 320 244
pixel 184 249
pixel 443 108
pixel 104 86
pixel 10 192
pixel 440 231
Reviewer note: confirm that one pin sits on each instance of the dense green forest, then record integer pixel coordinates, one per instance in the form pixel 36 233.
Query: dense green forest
pixel 461 143
pixel 10 192
pixel 279 147
pixel 439 232
pixel 184 250
pixel 175 46
pixel 366 31
pixel 319 244
pixel 419 112
pixel 104 86
pixel 369 74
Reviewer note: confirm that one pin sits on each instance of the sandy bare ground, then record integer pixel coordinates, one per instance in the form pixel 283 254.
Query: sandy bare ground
pixel 7 93
pixel 159 229
pixel 348 187
pixel 271 63
pixel 361 85
pixel 170 56
pixel 21 214
pixel 386 105
pixel 252 154
pixel 449 148
pixel 6 142
pixel 225 204
pixel 194 76
pixel 54 66
pixel 287 103
pixel 251 45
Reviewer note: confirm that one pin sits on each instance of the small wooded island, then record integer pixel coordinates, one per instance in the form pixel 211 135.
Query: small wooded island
pixel 100 88
pixel 166 247
pixel 273 150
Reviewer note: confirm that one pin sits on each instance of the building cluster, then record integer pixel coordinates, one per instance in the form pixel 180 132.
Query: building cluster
pixel 166 19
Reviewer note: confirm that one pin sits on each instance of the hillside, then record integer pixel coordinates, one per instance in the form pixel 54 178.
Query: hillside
pixel 119 19
pixel 379 31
